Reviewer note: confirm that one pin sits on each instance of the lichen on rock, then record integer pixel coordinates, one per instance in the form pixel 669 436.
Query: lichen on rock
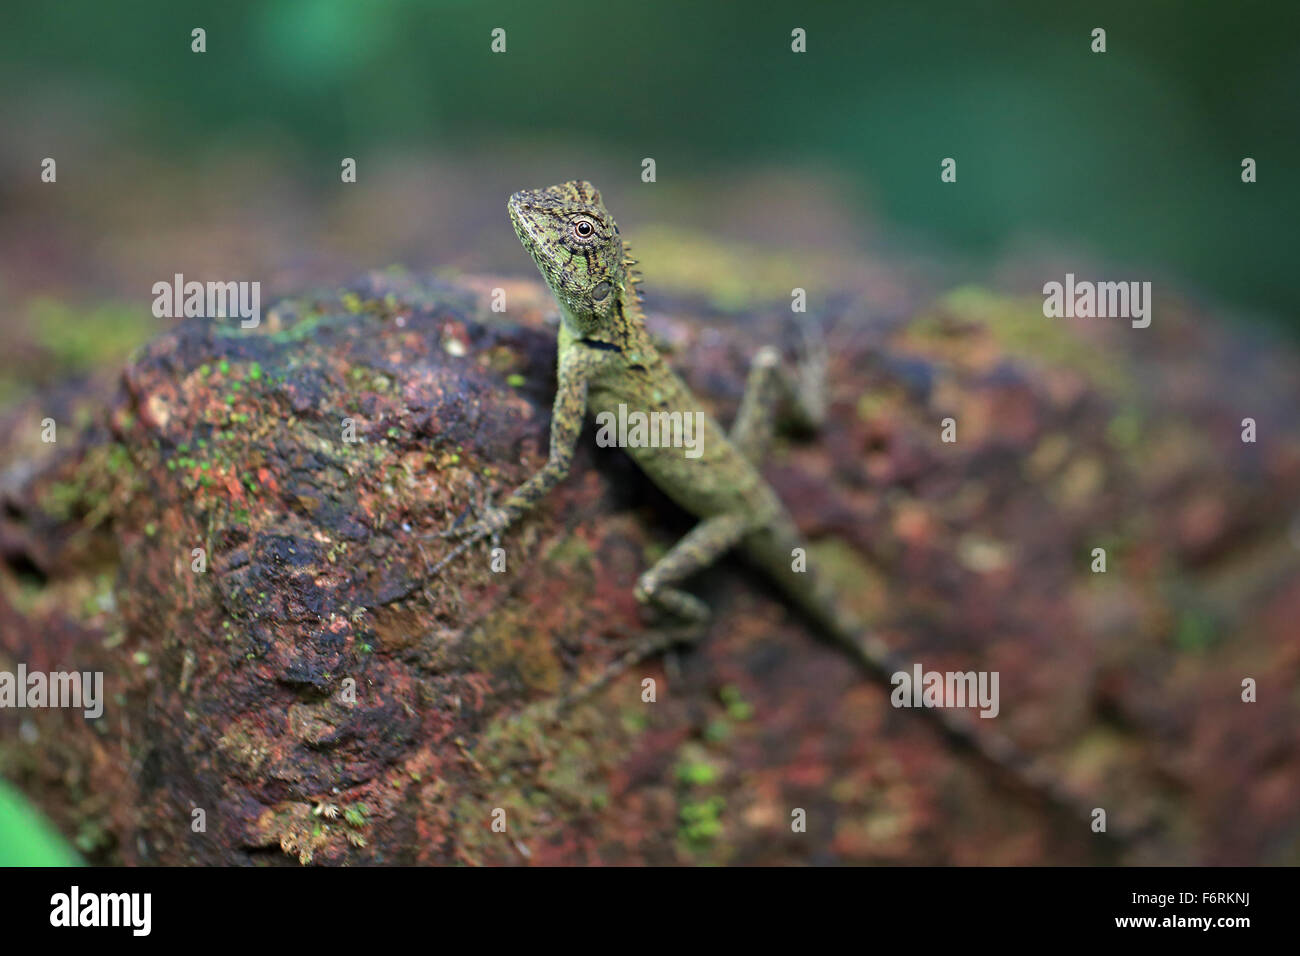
pixel 239 537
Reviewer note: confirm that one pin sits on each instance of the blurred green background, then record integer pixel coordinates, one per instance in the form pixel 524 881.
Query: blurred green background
pixel 27 839
pixel 1133 155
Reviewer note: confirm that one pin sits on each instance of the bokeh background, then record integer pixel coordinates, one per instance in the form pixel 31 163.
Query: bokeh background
pixel 226 163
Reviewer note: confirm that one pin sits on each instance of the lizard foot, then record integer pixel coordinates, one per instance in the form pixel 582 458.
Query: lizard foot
pixel 663 641
pixel 677 604
pixel 687 612
pixel 489 523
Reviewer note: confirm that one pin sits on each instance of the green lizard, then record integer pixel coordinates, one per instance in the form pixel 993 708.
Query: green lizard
pixel 606 358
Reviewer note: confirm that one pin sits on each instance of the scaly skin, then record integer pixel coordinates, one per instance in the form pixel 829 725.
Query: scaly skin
pixel 606 358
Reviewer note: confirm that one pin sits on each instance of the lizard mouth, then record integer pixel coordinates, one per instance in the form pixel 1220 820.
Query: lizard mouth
pixel 531 231
pixel 517 206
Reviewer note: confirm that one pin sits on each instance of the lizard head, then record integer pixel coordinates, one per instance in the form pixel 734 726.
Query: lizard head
pixel 575 243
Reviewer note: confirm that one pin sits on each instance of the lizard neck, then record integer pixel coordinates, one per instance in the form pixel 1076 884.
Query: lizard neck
pixel 629 320
pixel 630 317
pixel 620 321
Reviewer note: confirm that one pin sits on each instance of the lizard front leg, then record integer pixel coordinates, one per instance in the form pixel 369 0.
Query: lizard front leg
pixel 567 414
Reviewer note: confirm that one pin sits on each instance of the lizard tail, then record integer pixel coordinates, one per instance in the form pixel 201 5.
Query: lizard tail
pixel 814 595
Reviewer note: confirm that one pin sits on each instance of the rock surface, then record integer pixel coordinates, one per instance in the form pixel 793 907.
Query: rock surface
pixel 319 699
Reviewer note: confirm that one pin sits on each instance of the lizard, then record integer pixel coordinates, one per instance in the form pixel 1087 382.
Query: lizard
pixel 606 357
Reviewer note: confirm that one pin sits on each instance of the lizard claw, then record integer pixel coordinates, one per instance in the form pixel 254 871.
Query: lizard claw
pixel 456 532
pixel 449 557
pixel 489 526
pixel 489 523
pixel 480 507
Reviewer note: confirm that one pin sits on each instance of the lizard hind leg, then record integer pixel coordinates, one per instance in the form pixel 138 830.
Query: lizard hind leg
pixel 701 547
pixel 808 390
pixel 769 386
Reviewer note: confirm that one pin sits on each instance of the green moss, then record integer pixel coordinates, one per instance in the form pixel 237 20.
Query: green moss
pixel 84 338
pixel 571 551
pixel 1124 430
pixel 355 815
pixel 702 820
pixel 1020 327
pixel 737 708
pixel 1195 631
pixel 105 471
pixel 732 276
pixel 696 773
pixel 634 721
pixel 118 459
pixel 61 499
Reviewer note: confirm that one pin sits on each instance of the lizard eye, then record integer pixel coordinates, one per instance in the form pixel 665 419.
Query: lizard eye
pixel 583 229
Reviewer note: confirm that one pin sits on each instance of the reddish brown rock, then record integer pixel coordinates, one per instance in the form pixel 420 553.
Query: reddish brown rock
pixel 320 699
